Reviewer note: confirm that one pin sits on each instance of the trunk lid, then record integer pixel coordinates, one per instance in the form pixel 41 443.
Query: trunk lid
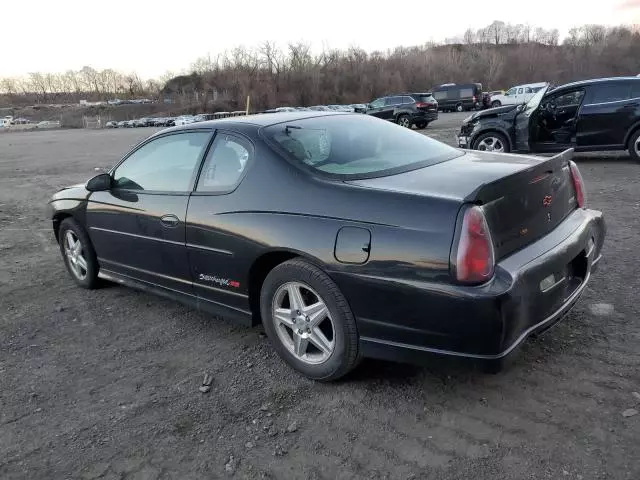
pixel 523 197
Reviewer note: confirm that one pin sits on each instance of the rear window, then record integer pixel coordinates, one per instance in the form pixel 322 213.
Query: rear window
pixel 356 146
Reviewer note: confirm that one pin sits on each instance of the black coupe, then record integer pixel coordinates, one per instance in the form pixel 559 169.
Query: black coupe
pixel 345 235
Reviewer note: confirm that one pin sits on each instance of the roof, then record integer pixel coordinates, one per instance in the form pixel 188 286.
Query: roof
pixel 260 120
pixel 594 80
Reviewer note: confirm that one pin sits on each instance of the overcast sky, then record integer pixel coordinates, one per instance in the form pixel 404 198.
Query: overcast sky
pixel 151 37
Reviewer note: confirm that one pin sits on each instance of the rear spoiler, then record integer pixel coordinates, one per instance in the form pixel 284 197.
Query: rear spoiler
pixel 489 192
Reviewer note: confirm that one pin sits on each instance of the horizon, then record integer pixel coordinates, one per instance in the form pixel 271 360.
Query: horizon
pixel 151 54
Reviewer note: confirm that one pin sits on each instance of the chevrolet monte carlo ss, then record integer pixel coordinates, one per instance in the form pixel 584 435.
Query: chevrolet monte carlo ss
pixel 344 235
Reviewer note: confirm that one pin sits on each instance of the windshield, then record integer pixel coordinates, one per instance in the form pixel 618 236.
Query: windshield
pixel 534 101
pixel 357 146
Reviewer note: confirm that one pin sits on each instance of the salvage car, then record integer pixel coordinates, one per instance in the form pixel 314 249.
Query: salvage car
pixel 592 115
pixel 344 235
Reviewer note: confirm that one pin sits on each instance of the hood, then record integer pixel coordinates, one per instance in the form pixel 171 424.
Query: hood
pixel 492 112
pixel 456 179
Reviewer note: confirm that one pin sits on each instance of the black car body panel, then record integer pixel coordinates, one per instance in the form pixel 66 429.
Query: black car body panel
pixel 592 115
pixel 386 242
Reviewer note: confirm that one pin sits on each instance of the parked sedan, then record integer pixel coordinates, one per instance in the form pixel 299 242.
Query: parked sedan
pixel 375 245
pixel 591 115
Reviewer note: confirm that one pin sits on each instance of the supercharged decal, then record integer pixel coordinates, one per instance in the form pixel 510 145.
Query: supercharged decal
pixel 223 282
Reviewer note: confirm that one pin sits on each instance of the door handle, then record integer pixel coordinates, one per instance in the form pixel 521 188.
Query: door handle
pixel 169 220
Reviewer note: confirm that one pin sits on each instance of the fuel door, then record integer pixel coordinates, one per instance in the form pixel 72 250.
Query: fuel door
pixel 353 245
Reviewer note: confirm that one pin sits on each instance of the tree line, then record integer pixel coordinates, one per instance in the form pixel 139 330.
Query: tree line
pixel 498 56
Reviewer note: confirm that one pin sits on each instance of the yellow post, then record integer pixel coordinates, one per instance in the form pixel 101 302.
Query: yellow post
pixel 248 99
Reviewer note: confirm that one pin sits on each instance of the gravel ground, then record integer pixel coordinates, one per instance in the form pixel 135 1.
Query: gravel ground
pixel 104 384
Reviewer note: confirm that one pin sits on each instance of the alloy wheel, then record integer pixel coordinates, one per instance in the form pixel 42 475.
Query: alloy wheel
pixel 404 122
pixel 636 146
pixel 491 144
pixel 303 323
pixel 75 255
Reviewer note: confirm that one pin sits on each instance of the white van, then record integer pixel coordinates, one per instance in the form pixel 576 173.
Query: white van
pixel 517 95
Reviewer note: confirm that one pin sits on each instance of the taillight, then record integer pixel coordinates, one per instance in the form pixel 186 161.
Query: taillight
pixel 425 104
pixel 475 260
pixel 578 183
pixel 474 98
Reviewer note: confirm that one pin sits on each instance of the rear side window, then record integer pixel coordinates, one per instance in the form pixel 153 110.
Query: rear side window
pixel 407 100
pixel 441 95
pixel 225 163
pixel 394 101
pixel 466 93
pixel 635 89
pixel 611 92
pixel 356 147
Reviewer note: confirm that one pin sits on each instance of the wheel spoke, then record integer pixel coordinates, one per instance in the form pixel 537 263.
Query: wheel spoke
pixel 70 241
pixel 295 298
pixel 299 345
pixel 320 341
pixel 283 317
pixel 81 262
pixel 316 313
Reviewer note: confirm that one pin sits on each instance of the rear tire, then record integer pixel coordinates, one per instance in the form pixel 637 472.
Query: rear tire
pixel 324 347
pixel 492 142
pixel 459 108
pixel 78 254
pixel 404 121
pixel 634 146
pixel 421 125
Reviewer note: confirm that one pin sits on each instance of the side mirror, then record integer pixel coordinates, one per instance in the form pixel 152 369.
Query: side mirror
pixel 99 183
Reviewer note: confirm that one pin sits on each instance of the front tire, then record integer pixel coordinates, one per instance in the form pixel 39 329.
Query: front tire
pixel 634 146
pixel 78 253
pixel 492 142
pixel 496 104
pixel 308 321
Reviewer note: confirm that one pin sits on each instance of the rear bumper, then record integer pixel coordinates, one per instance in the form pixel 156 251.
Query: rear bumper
pixel 424 116
pixel 489 322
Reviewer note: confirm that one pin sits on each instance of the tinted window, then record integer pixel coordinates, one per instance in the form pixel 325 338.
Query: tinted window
pixel 357 146
pixel 466 93
pixel 407 100
pixel 225 163
pixel 441 95
pixel 568 99
pixel 394 100
pixel 635 89
pixel 611 92
pixel 164 164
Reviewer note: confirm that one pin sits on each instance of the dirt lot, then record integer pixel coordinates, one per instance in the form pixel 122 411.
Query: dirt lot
pixel 104 384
